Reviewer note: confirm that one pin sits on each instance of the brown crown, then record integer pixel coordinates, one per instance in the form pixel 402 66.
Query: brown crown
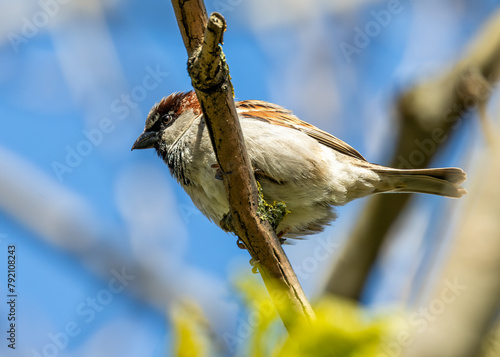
pixel 178 103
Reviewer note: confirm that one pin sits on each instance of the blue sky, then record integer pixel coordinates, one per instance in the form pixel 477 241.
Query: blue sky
pixel 78 80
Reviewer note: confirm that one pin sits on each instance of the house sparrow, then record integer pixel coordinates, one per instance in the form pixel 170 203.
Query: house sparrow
pixel 294 162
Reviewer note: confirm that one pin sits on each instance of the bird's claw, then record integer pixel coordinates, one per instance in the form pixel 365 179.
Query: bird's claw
pixel 241 244
pixel 218 172
pixel 281 238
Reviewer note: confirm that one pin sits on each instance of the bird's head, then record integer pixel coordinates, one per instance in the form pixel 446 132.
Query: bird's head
pixel 167 120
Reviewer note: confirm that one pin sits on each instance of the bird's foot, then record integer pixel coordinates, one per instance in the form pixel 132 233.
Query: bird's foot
pixel 241 244
pixel 280 236
pixel 218 172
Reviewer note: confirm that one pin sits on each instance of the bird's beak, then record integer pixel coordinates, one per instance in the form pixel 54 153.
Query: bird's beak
pixel 146 140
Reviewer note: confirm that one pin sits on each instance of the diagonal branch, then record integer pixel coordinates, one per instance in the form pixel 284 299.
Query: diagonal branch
pixel 210 78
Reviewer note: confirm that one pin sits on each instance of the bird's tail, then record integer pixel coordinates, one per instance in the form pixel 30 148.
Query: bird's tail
pixel 442 181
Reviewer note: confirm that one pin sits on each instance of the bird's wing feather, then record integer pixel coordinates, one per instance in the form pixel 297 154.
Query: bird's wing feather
pixel 276 115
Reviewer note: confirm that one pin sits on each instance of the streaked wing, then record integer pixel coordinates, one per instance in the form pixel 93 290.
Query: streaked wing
pixel 276 115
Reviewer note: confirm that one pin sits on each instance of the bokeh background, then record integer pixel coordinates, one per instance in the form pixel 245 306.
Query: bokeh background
pixel 108 243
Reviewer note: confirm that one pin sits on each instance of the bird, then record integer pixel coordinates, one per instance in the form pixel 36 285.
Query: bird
pixel 308 169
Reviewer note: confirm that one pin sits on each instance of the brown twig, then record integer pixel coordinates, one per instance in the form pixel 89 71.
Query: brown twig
pixel 210 78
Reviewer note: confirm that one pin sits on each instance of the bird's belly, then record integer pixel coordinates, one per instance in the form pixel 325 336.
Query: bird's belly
pixel 310 209
pixel 210 197
pixel 307 215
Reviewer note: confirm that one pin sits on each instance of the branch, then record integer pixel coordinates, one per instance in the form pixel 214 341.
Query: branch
pixel 192 19
pixel 210 78
pixel 473 269
pixel 429 113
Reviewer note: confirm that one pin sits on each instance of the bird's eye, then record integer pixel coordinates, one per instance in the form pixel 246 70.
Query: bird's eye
pixel 166 119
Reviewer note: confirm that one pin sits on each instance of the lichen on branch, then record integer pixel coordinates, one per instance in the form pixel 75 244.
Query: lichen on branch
pixel 273 213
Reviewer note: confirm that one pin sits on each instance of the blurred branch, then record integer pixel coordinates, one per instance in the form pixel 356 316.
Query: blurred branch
pixel 210 78
pixel 473 269
pixel 429 114
pixel 63 219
